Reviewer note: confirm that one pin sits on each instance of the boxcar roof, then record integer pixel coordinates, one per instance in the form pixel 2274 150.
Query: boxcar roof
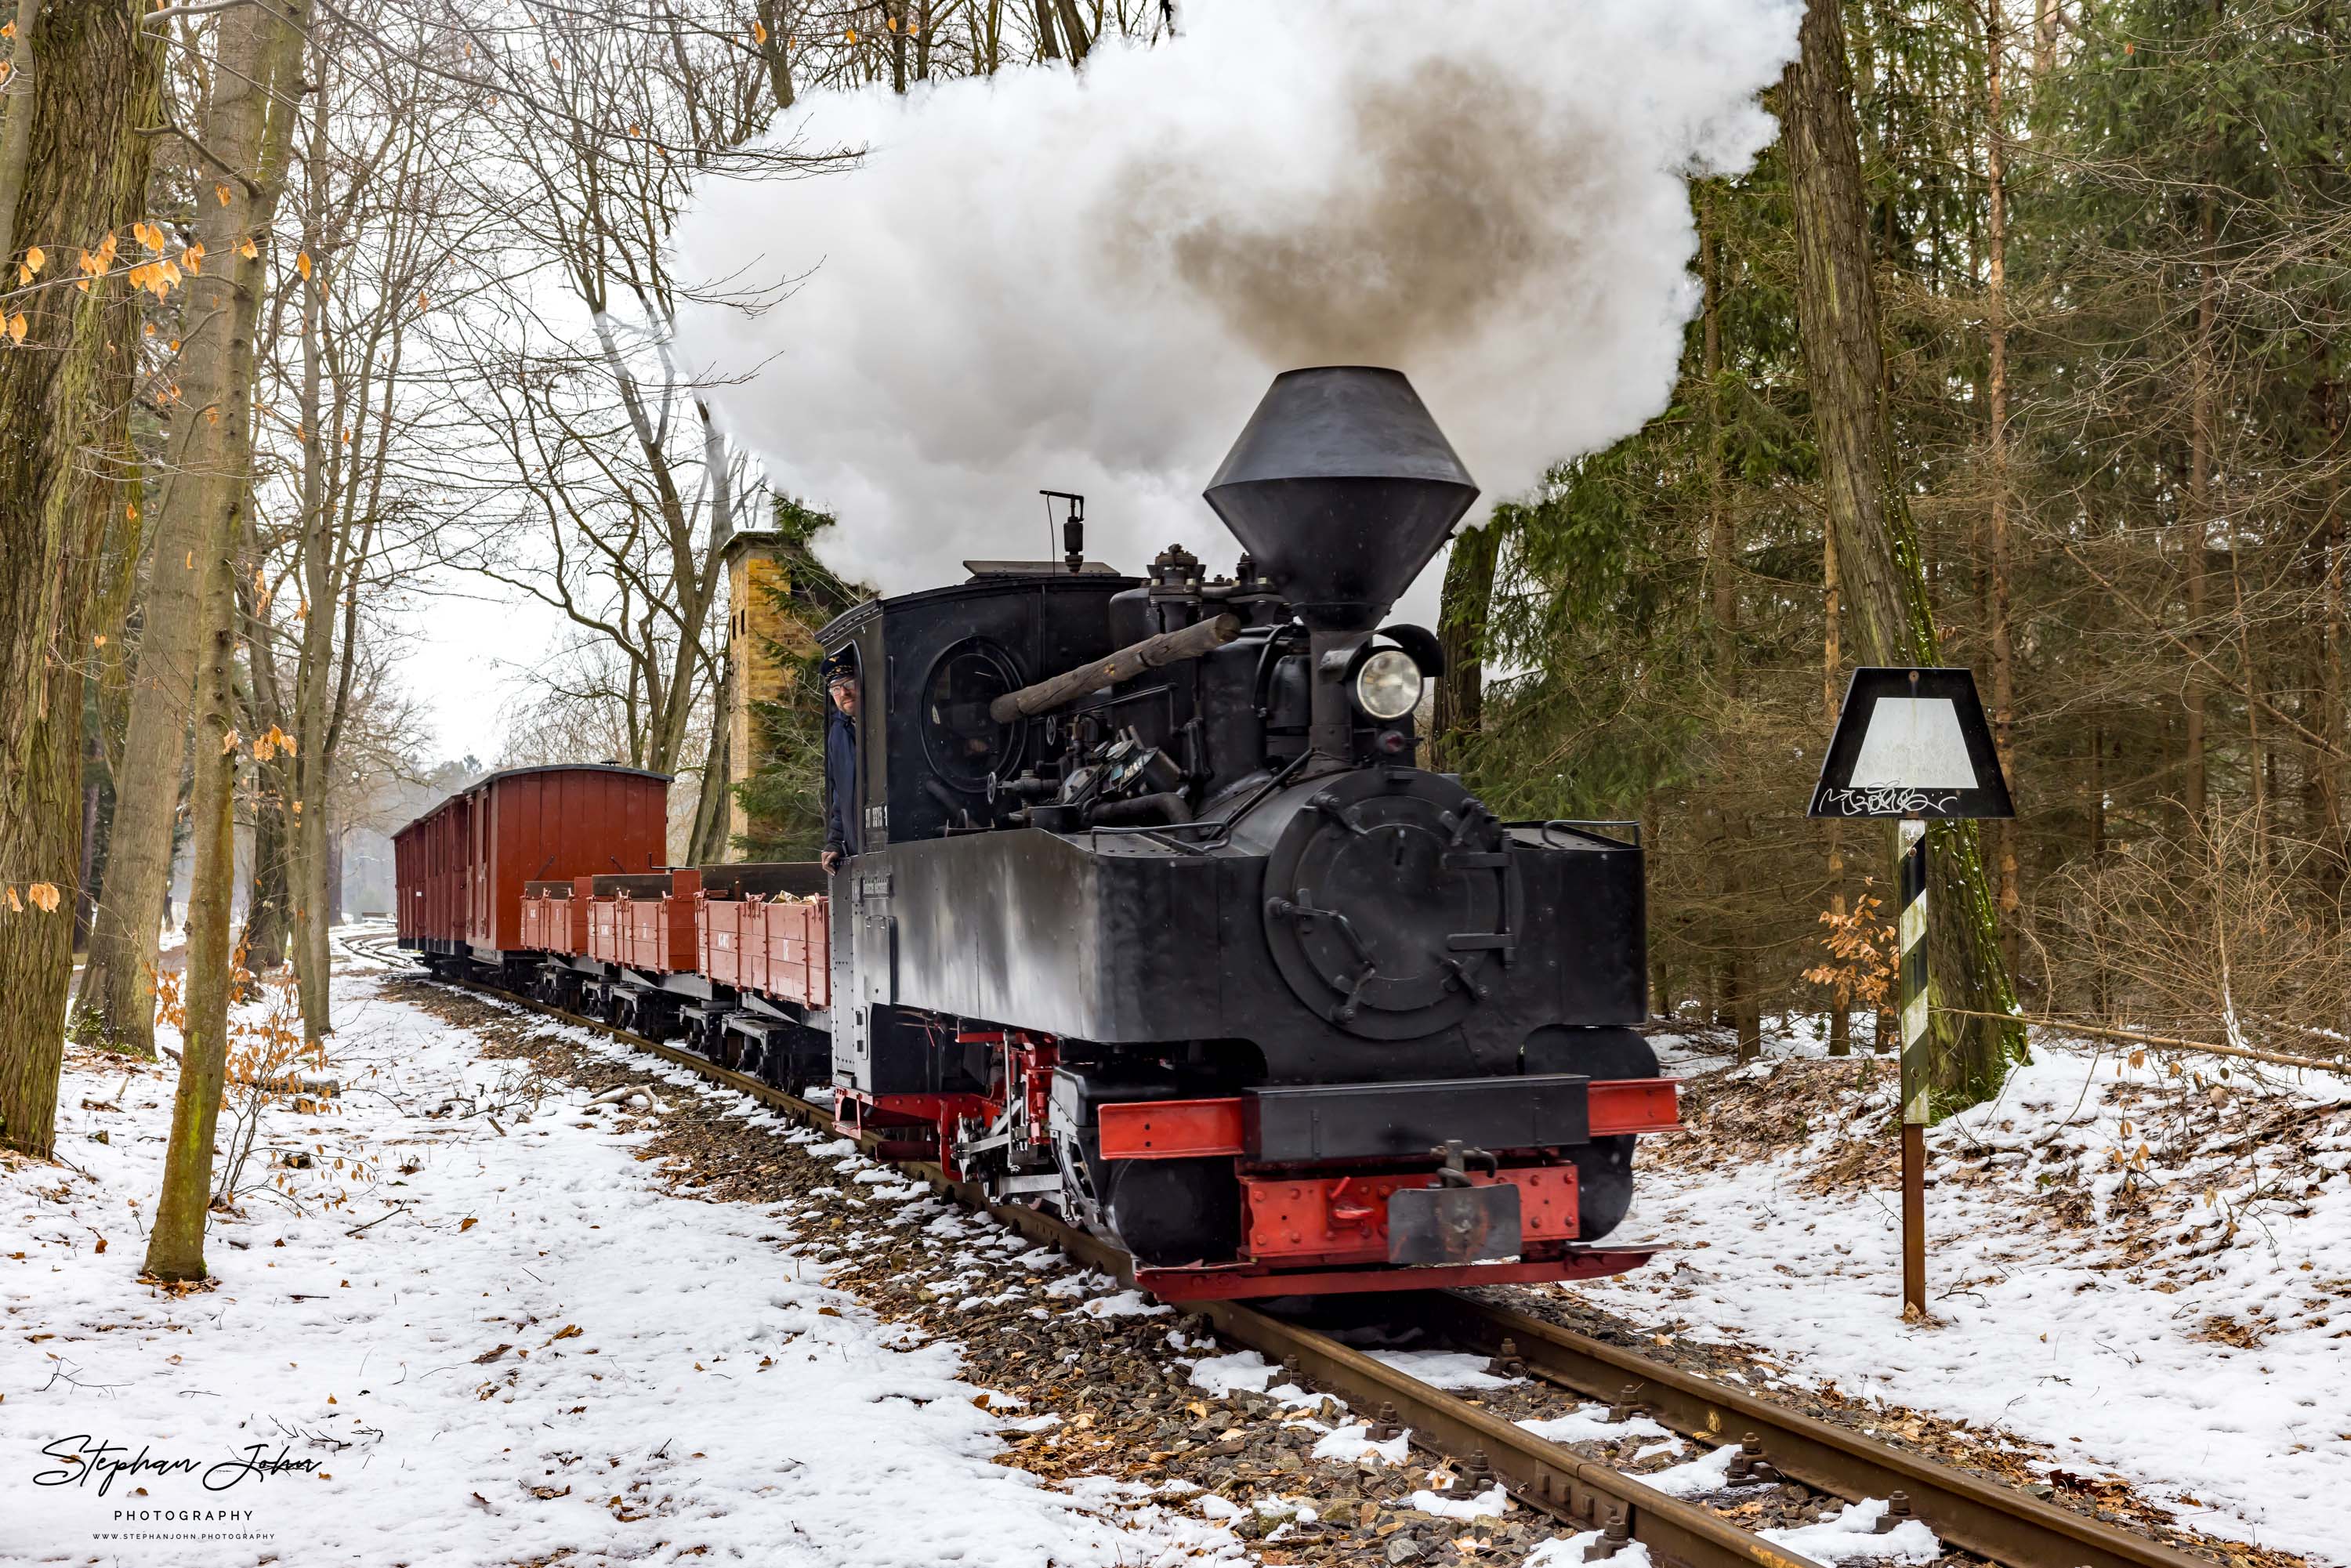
pixel 488 779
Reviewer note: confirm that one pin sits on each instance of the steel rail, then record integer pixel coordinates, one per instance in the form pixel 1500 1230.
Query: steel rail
pixel 1965 1510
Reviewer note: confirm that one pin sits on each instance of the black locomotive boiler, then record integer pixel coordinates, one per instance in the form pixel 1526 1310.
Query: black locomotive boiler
pixel 1158 920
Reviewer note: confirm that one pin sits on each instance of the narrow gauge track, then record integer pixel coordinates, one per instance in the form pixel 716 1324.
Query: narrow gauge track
pixel 1965 1510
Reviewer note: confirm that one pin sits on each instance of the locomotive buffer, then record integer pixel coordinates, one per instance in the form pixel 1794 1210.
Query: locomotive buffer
pixel 1912 744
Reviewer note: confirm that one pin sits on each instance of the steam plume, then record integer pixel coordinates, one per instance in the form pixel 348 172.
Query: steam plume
pixel 1084 282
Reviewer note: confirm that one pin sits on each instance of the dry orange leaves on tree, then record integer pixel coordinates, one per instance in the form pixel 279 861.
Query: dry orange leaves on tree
pixel 1861 955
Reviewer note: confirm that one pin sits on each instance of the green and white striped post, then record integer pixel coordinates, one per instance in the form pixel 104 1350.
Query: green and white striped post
pixel 1912 745
pixel 1915 997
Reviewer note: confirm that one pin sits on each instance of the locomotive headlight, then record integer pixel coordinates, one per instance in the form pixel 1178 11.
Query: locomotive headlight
pixel 1388 686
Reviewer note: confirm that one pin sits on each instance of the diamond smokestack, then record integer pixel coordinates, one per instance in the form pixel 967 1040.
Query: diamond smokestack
pixel 1341 487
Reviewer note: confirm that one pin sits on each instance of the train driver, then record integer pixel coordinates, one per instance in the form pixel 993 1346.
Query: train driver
pixel 840 816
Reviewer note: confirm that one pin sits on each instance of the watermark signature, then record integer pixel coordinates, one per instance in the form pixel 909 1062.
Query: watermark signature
pixel 82 1458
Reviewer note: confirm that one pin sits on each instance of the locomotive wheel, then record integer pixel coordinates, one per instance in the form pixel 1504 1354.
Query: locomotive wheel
pixel 1170 1212
pixel 1604 1185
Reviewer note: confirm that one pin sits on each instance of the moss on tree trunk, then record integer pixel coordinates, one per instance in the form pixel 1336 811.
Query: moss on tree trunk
pixel 64 400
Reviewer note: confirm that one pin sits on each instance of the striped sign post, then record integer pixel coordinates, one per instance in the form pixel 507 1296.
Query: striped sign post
pixel 1912 745
pixel 1915 995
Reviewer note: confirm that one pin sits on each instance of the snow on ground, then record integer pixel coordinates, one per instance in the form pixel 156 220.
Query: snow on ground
pixel 2146 1266
pixel 528 1350
pixel 1450 1369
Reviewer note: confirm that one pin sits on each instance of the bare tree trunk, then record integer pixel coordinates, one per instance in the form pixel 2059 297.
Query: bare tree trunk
pixel 175 1248
pixel 1877 549
pixel 210 426
pixel 269 897
pixel 774 50
pixel 2097 775
pixel 2334 767
pixel 2003 651
pixel 85 886
pixel 2199 508
pixel 1465 602
pixel 1074 29
pixel 706 841
pixel 1739 1000
pixel 16 133
pixel 249 126
pixel 267 891
pixel 64 399
pixel 1832 657
pixel 335 877
pixel 713 813
pixel 314 673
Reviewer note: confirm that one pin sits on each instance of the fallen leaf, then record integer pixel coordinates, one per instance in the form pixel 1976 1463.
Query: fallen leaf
pixel 466 1225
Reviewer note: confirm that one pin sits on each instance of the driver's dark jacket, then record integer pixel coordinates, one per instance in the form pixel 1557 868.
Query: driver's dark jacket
pixel 841 815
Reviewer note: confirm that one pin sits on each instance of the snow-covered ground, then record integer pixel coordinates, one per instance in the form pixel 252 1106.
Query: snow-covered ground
pixel 472 1342
pixel 2147 1267
pixel 477 1329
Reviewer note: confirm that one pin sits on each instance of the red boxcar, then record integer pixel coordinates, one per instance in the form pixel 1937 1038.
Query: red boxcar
pixel 461 867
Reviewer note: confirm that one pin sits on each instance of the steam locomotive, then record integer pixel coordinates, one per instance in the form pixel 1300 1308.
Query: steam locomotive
pixel 1156 919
